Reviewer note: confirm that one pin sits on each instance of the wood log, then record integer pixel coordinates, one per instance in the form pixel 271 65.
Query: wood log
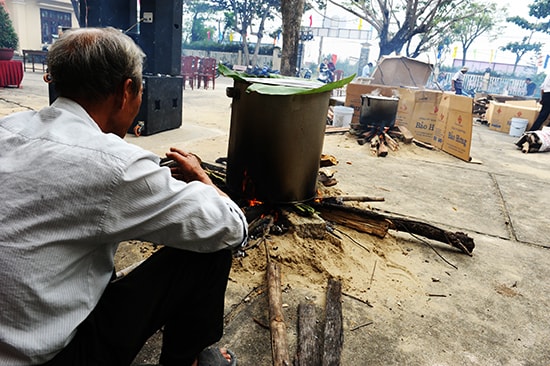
pixel 340 199
pixel 334 326
pixel 457 239
pixel 394 145
pixel 308 351
pixel 354 220
pixel 382 149
pixel 423 144
pixel 279 342
pixel 332 129
pixel 407 134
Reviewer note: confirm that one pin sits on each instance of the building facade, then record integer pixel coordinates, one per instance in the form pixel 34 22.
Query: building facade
pixel 37 22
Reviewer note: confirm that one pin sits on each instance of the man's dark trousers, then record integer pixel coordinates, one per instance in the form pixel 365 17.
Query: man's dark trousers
pixel 179 291
pixel 544 112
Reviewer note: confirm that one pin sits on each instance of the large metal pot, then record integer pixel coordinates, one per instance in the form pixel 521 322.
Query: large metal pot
pixel 275 144
pixel 378 111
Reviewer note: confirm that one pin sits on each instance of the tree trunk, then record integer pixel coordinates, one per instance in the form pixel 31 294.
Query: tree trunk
pixel 259 35
pixel 246 54
pixel 291 11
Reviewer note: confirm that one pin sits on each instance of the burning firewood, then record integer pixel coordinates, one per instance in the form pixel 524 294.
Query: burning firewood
pixel 382 147
pixel 374 143
pixel 394 145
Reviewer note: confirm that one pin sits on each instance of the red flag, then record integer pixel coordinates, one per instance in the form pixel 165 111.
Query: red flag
pixel 310 20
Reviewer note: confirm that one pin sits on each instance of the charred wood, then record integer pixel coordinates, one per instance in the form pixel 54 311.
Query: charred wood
pixel 348 215
pixel 279 342
pixel 334 328
pixel 308 350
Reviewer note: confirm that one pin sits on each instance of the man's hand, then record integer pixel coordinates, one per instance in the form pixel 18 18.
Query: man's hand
pixel 188 168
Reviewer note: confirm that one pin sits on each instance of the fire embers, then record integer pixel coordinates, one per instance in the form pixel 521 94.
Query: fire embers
pixel 265 221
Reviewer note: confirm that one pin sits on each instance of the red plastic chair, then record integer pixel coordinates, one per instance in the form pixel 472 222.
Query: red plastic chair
pixel 207 72
pixel 338 75
pixel 189 69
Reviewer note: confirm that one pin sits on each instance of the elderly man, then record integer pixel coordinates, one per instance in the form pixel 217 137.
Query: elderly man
pixel 72 189
pixel 457 80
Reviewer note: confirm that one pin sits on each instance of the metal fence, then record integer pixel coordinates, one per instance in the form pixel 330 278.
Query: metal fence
pixel 477 83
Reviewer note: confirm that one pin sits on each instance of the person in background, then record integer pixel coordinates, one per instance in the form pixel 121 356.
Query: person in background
pixel 545 102
pixel 326 71
pixel 367 70
pixel 458 80
pixel 529 87
pixel 72 190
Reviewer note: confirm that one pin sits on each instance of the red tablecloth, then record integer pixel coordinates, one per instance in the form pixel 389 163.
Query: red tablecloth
pixel 11 73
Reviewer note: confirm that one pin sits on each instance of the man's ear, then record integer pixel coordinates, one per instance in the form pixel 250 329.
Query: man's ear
pixel 126 93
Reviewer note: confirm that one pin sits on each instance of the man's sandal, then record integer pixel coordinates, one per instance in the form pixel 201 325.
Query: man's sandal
pixel 212 356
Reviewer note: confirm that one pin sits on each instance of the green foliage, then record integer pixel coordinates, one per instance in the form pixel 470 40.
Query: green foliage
pixel 8 37
pixel 484 20
pixel 211 45
pixel 522 47
pixel 198 30
pixel 540 9
pixel 416 24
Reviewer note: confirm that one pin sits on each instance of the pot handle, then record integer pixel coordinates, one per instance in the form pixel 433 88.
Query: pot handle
pixel 231 92
pixel 363 97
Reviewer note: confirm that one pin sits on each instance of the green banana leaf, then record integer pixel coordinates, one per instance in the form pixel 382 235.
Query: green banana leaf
pixel 282 85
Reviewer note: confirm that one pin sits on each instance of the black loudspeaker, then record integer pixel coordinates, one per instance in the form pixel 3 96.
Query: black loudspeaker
pixel 102 13
pixel 161 108
pixel 160 36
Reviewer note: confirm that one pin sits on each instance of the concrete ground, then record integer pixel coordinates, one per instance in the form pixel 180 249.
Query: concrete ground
pixel 492 309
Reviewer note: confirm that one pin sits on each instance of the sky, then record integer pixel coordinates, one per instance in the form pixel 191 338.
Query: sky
pixel 483 49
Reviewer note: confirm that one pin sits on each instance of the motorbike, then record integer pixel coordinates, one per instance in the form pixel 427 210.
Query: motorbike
pixel 264 71
pixel 326 74
pixel 304 72
pixel 226 64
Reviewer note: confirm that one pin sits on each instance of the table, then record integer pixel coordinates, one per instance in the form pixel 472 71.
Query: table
pixel 11 73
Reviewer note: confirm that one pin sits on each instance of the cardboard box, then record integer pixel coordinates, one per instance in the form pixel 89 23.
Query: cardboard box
pixel 424 118
pixel 392 77
pixel 455 111
pixel 354 92
pixel 405 109
pixel 532 103
pixel 499 115
pixel 402 72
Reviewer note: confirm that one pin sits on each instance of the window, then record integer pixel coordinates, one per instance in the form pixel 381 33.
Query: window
pixel 50 21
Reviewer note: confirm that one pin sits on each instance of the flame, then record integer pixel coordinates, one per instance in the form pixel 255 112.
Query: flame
pixel 254 202
pixel 319 196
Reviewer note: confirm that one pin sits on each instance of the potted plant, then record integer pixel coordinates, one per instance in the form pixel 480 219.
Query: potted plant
pixel 8 38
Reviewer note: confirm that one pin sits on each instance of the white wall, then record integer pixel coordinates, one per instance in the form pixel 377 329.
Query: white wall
pixel 25 15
